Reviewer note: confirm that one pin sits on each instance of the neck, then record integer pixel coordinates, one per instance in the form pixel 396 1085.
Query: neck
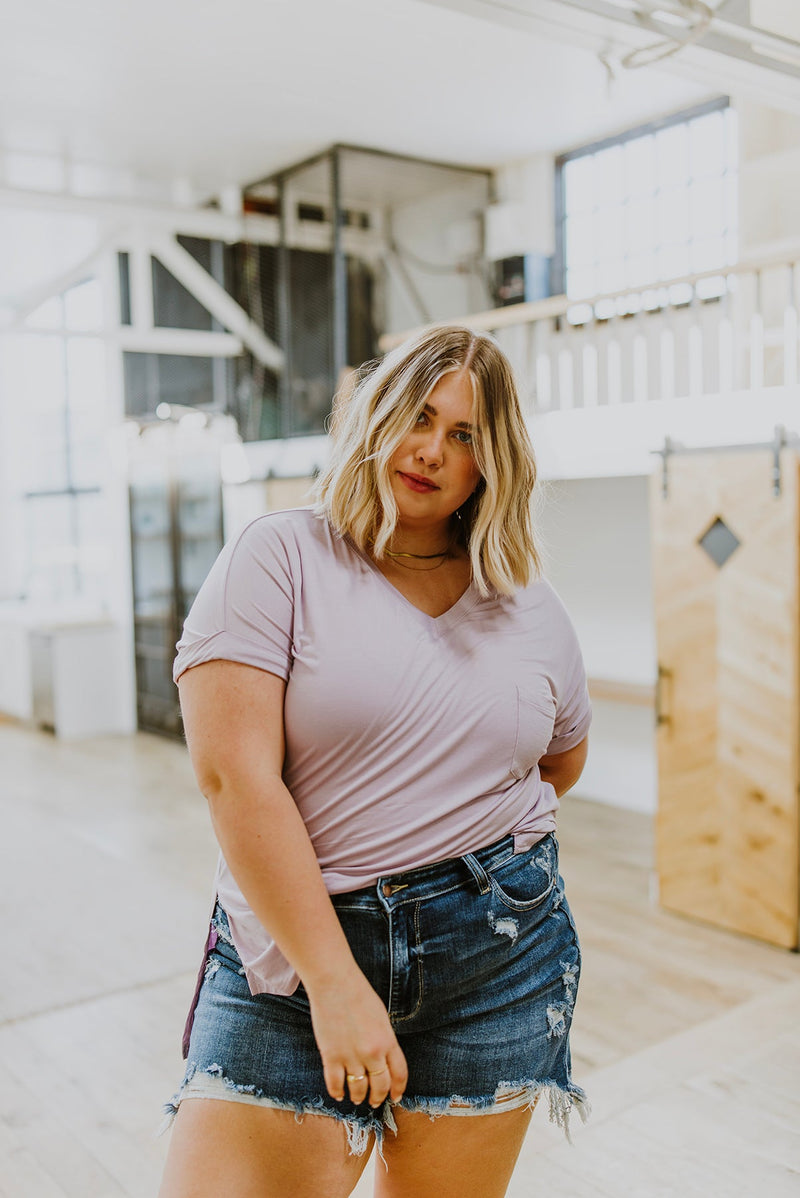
pixel 423 541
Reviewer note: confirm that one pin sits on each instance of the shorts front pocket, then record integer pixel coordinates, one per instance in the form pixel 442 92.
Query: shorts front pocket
pixel 525 880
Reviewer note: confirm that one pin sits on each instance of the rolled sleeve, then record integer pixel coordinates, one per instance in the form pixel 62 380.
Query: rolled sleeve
pixel 244 611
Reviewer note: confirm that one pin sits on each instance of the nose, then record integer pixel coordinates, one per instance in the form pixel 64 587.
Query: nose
pixel 430 448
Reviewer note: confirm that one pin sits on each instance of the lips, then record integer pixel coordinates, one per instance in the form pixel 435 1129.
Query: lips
pixel 415 482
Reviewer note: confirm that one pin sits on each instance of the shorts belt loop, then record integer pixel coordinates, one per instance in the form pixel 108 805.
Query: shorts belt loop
pixel 478 872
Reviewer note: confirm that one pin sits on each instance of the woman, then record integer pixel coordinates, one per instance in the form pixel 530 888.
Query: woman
pixel 382 702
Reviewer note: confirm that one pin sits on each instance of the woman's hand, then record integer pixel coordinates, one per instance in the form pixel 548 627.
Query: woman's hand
pixel 359 1050
pixel 233 716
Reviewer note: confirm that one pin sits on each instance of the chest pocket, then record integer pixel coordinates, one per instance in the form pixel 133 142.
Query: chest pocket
pixel 536 713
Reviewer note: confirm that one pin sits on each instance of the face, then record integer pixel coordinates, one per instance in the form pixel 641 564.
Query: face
pixel 433 470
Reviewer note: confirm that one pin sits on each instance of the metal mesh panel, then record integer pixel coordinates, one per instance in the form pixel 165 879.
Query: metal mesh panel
pixel 151 379
pixel 368 243
pixel 252 278
pixel 307 272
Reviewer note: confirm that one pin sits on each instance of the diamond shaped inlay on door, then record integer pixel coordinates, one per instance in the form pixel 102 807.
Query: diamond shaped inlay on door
pixel 719 542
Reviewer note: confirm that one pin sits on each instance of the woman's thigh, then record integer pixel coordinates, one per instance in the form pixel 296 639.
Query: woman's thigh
pixel 451 1156
pixel 267 1154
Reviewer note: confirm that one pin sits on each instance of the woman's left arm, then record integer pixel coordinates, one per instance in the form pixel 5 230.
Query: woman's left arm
pixel 562 770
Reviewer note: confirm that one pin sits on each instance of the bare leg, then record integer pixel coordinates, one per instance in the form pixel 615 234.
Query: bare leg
pixel 245 1151
pixel 451 1156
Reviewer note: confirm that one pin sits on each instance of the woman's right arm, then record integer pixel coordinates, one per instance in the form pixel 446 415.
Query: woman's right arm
pixel 233 717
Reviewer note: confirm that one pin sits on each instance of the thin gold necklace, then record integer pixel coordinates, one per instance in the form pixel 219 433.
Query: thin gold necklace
pixel 416 569
pixel 422 556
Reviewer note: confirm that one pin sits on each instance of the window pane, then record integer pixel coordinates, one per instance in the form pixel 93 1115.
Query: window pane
pixel 707 145
pixel 640 166
pixel 672 154
pixel 46 455
pixel 581 240
pixel 579 183
pixel 707 208
pixel 44 373
pixel 52 572
pixel 609 226
pixel 86 374
pixel 92 515
pixel 640 270
pixel 673 261
pixel 673 215
pixel 611 275
pixel 640 225
pixel 609 177
pixel 87 449
pixel 581 282
pixel 707 254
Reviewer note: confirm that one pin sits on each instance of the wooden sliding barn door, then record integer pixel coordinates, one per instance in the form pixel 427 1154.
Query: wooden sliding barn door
pixel 725 575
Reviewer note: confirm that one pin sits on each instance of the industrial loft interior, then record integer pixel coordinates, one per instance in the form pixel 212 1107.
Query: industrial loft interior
pixel 210 218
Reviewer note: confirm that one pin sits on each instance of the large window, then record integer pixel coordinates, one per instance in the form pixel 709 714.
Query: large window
pixel 58 388
pixel 654 204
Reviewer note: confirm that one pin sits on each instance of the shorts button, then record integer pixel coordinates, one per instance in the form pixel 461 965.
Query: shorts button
pixel 387 890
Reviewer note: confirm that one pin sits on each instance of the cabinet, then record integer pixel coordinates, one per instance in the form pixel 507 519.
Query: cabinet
pixel 176 533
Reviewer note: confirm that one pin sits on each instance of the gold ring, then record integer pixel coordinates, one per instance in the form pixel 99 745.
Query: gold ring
pixel 376 1072
pixel 356 1077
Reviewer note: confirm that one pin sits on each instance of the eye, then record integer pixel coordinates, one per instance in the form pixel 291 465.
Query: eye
pixel 463 437
pixel 422 418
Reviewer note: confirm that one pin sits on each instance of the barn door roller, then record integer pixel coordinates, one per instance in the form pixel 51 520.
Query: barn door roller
pixel 780 441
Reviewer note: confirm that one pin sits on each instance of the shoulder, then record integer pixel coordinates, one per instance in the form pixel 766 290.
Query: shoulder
pixel 291 530
pixel 538 598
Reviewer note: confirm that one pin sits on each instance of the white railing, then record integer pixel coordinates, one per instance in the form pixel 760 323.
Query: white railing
pixel 720 331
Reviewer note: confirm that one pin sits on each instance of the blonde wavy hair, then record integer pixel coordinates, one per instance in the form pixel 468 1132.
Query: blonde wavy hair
pixel 355 491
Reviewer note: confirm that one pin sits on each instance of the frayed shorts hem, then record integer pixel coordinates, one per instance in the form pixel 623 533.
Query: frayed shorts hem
pixel 359 1128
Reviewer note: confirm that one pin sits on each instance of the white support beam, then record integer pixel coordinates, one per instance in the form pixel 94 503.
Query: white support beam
pixel 187 343
pixel 140 276
pixel 215 298
pixel 162 218
pixel 21 307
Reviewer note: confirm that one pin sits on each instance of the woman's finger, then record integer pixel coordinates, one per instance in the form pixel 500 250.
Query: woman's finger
pixel 379 1081
pixel 357 1083
pixel 398 1070
pixel 334 1081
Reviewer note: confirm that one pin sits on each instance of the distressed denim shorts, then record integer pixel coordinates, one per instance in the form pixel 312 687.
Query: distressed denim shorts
pixel 477 960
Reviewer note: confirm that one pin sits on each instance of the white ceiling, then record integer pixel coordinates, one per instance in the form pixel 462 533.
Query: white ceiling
pixel 216 93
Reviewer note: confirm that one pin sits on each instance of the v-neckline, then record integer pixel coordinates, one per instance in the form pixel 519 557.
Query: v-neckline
pixel 441 623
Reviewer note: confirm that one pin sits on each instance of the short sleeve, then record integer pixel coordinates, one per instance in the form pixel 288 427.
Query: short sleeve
pixel 244 611
pixel 573 708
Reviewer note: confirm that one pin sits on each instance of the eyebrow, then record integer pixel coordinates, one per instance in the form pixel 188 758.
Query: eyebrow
pixel 459 423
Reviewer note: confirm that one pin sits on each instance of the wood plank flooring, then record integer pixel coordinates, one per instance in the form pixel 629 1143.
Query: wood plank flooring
pixel 686 1037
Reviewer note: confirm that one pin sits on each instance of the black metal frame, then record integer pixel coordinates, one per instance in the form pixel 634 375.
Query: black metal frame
pixel 333 156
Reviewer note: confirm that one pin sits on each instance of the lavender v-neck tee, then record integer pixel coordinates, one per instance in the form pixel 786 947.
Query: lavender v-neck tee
pixel 409 738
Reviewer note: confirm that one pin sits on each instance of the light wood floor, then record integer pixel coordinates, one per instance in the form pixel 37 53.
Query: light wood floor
pixel 687 1038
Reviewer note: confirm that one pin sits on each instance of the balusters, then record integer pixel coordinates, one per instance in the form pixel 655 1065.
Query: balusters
pixel 757 337
pixel 716 343
pixel 725 344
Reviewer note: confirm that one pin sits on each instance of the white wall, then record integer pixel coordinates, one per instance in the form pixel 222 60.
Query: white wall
pixel 595 537
pixel 441 229
pixel 769 186
pixel 522 221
